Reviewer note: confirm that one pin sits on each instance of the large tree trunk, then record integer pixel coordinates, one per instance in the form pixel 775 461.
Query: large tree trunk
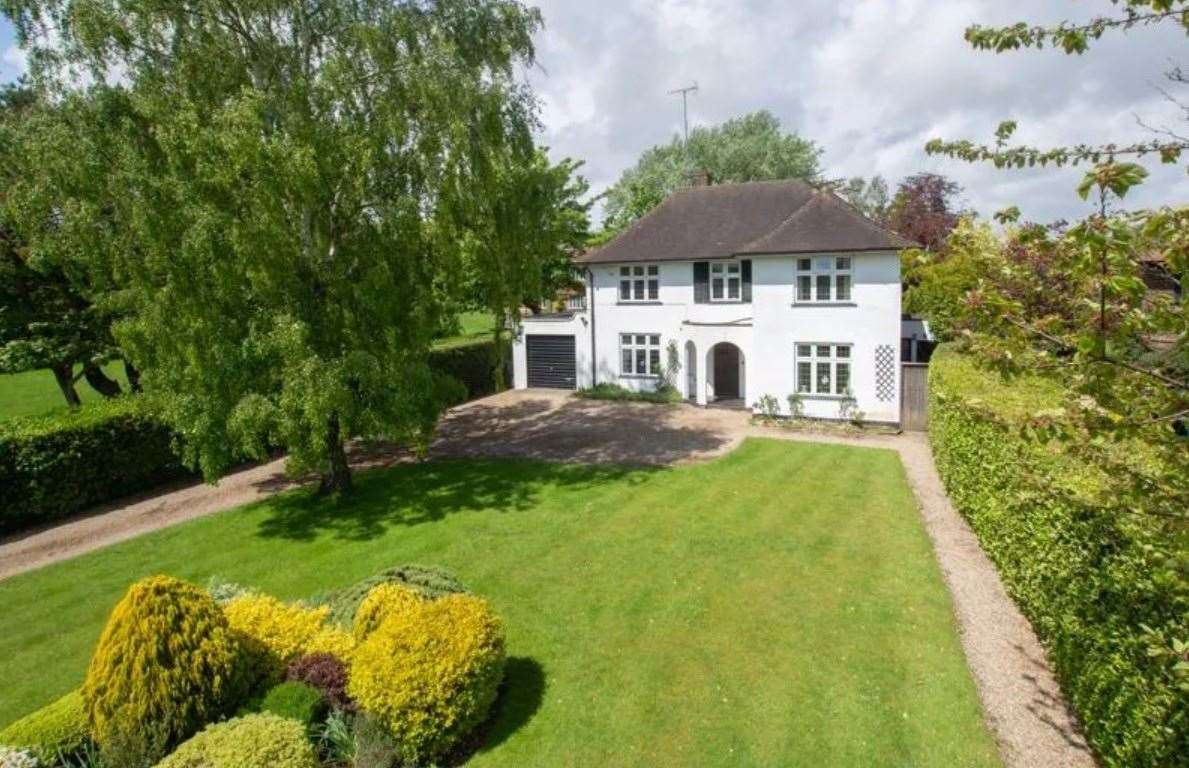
pixel 100 382
pixel 133 376
pixel 338 477
pixel 64 375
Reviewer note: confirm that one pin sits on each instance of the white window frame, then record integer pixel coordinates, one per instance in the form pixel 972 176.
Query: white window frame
pixel 639 284
pixel 643 350
pixel 725 273
pixel 829 357
pixel 828 272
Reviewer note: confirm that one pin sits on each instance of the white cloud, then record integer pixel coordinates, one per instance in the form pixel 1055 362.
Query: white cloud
pixel 13 63
pixel 871 81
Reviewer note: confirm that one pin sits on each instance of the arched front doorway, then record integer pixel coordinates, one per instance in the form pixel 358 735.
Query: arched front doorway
pixel 726 372
pixel 691 371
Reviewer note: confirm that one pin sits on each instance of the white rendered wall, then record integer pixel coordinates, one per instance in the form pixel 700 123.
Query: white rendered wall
pixel 765 330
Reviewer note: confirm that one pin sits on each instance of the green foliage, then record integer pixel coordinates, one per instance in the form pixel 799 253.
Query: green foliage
pixel 290 202
pixel 768 406
pixel 253 741
pixel 478 366
pixel 291 700
pixel 429 581
pixel 748 148
pixel 1101 588
pixel 374 746
pixel 430 673
pixel 166 664
pixel 614 392
pixel 56 729
pixel 55 466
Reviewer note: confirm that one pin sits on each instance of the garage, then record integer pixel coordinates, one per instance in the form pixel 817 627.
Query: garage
pixel 551 361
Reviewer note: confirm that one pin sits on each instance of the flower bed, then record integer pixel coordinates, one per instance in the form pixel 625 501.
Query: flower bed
pixel 183 680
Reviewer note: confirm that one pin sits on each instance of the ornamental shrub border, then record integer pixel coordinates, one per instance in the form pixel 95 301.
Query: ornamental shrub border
pixel 52 467
pixel 1088 578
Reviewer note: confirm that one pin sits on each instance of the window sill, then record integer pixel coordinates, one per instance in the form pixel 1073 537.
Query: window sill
pixel 824 304
pixel 728 302
pixel 638 376
pixel 807 396
pixel 622 303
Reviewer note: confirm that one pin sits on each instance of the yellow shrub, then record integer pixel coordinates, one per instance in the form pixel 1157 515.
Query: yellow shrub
pixel 430 673
pixel 253 741
pixel 166 664
pixel 382 601
pixel 278 632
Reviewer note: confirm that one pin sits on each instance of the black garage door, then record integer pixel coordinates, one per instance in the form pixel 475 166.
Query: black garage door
pixel 551 362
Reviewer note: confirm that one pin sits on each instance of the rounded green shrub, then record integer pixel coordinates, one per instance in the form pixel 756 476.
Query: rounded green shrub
pixel 167 663
pixel 253 741
pixel 292 700
pixel 59 728
pixel 428 581
pixel 430 673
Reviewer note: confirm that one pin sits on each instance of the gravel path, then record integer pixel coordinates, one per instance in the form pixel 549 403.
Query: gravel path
pixel 1021 700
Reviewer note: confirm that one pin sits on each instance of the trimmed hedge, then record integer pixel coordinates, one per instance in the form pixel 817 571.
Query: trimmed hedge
pixel 476 365
pixel 1088 578
pixel 54 466
pixel 255 741
pixel 292 700
pixel 59 728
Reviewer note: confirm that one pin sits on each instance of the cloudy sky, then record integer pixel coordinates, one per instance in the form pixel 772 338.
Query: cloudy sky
pixel 869 80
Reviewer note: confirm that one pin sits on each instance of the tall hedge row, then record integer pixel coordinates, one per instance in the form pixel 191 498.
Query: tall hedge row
pixel 1091 580
pixel 55 466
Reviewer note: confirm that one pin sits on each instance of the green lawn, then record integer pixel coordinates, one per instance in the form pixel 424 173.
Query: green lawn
pixel 34 393
pixel 780 606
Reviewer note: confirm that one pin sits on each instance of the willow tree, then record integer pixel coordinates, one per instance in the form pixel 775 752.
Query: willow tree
pixel 278 192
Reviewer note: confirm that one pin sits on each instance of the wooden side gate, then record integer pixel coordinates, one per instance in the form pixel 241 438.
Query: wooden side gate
pixel 914 396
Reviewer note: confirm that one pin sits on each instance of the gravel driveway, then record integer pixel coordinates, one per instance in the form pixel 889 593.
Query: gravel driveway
pixel 1022 702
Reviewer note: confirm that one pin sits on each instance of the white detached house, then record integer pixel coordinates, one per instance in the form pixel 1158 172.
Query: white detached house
pixel 766 288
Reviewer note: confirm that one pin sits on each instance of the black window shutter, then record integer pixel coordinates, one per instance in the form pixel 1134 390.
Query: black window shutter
pixel 701 282
pixel 746 270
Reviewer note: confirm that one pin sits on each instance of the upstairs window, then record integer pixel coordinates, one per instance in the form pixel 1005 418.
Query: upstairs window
pixel 725 281
pixel 640 283
pixel 823 279
pixel 823 369
pixel 640 354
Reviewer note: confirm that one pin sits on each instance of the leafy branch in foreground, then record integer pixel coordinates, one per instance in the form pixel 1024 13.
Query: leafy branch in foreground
pixel 1075 38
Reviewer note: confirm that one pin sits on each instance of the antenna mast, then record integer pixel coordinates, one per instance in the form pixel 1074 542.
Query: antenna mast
pixel 685 92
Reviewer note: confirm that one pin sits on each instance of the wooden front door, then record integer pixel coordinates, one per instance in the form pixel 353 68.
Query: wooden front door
pixel 726 372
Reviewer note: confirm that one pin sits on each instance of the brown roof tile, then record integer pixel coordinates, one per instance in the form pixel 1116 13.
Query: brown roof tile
pixel 726 220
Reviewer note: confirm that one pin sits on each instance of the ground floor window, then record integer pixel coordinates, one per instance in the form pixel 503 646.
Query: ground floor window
pixel 823 369
pixel 640 354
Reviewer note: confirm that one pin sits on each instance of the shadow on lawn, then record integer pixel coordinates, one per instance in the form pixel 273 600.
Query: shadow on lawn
pixel 414 493
pixel 520 697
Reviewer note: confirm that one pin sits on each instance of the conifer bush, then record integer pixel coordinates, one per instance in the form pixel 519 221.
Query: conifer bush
pixel 58 728
pixel 430 674
pixel 166 664
pixel 429 581
pixel 254 741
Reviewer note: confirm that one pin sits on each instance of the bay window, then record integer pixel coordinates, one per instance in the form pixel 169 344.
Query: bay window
pixel 823 369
